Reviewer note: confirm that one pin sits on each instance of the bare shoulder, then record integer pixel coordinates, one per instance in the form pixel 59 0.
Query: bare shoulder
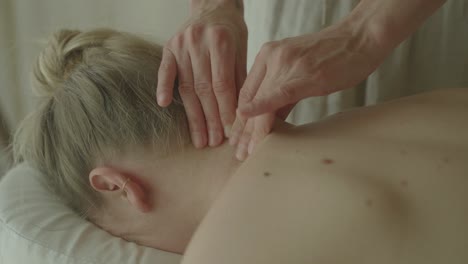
pixel 294 216
pixel 365 186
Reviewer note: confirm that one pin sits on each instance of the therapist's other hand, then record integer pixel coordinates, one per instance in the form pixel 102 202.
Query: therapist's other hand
pixel 208 58
pixel 254 129
pixel 289 70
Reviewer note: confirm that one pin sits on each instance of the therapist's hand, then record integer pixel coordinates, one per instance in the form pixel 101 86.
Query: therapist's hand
pixel 289 70
pixel 208 58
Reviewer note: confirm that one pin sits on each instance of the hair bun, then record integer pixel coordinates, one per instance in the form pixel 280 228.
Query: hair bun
pixel 54 62
pixel 61 56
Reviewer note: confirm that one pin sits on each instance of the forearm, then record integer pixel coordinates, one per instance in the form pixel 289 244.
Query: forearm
pixel 389 22
pixel 202 4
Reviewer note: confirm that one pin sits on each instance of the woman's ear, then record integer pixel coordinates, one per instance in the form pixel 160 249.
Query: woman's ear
pixel 113 181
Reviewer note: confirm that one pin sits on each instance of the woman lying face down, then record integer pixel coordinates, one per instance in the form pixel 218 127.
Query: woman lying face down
pixel 109 150
pixel 384 184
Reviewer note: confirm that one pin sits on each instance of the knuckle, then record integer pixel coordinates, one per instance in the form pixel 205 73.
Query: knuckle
pixel 222 86
pixel 185 88
pixel 177 41
pixel 212 120
pixel 268 48
pixel 195 29
pixel 193 33
pixel 203 89
pixel 286 54
pixel 220 35
pixel 245 95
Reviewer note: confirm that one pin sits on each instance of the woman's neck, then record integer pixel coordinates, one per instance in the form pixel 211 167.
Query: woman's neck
pixel 182 188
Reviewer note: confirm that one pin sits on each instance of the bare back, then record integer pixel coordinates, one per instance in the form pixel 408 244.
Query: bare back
pixel 381 184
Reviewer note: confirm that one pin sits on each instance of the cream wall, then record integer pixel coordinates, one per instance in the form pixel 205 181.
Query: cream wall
pixel 24 24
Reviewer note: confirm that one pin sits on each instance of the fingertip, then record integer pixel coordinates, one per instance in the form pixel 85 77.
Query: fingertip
pixel 251 147
pixel 233 139
pixel 235 132
pixel 215 138
pixel 241 152
pixel 163 99
pixel 199 140
pixel 227 131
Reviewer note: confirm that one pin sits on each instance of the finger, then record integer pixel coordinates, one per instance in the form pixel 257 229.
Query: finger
pixel 262 127
pixel 284 112
pixel 241 71
pixel 204 90
pixel 193 109
pixel 233 131
pixel 166 78
pixel 236 130
pixel 253 81
pixel 223 68
pixel 272 98
pixel 242 146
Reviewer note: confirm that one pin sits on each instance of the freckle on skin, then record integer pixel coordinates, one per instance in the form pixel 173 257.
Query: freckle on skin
pixel 369 202
pixel 446 159
pixel 266 174
pixel 327 161
pixel 404 183
pixel 403 152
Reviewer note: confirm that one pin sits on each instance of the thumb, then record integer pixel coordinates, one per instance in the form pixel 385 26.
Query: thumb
pixel 261 105
pixel 284 111
pixel 286 95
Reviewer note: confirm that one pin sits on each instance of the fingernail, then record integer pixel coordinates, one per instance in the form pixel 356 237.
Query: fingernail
pixel 215 138
pixel 251 147
pixel 232 140
pixel 197 140
pixel 161 98
pixel 227 131
pixel 241 152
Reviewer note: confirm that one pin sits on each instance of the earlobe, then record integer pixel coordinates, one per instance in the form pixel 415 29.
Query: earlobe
pixel 113 181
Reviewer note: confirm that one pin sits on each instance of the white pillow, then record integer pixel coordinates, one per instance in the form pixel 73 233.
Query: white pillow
pixel 35 227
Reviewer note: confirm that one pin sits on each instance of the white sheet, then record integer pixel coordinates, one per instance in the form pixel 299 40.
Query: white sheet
pixel 35 227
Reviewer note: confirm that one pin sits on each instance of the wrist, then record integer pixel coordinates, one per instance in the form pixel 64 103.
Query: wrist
pixel 372 37
pixel 388 23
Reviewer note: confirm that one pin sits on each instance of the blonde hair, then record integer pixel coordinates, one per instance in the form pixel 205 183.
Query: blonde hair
pixel 96 99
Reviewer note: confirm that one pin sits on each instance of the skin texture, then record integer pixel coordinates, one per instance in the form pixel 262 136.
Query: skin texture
pixel 334 59
pixel 164 198
pixel 208 57
pixel 381 184
pixel 388 158
pixel 291 69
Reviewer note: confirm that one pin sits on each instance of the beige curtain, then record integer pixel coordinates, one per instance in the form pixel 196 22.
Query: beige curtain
pixel 25 24
pixel 436 56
